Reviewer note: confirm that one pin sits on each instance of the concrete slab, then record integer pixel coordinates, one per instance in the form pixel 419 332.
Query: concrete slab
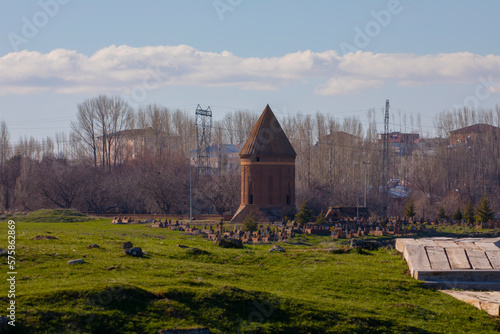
pixel 493 240
pixel 494 257
pixel 447 243
pixel 469 245
pixel 437 258
pixel 487 246
pixel 478 259
pixel 487 301
pixel 427 242
pixel 457 257
pixel 469 263
pixel 402 242
pixel 416 257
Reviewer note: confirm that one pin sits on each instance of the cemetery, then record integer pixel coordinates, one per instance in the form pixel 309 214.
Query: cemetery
pixel 165 278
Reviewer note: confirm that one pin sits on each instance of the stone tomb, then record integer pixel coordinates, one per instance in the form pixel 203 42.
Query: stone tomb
pixel 466 264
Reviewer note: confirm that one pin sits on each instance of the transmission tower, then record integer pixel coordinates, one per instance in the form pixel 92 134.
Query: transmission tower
pixel 203 131
pixel 385 164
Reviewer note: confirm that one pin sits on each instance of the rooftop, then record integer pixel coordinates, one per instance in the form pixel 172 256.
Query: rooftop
pixel 268 138
pixel 224 148
pixel 476 128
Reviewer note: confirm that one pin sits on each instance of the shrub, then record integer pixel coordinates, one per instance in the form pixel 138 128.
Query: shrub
pixel 410 209
pixel 469 212
pixel 249 224
pixel 304 215
pixel 483 210
pixel 458 215
pixel 321 219
pixel 441 213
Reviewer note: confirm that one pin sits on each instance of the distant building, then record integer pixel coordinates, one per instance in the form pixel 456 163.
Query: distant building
pixel 402 143
pixel 339 137
pixel 224 158
pixel 136 143
pixel 267 172
pixel 399 191
pixel 472 133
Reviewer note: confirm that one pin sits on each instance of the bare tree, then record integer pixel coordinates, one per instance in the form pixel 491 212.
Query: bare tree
pixel 159 121
pixel 184 129
pixel 101 108
pixel 228 126
pixel 84 128
pixel 220 191
pixel 27 194
pixel 121 118
pixel 99 193
pixel 9 169
pixel 60 182
pixel 165 183
pixel 5 149
pixel 334 157
pixel 100 122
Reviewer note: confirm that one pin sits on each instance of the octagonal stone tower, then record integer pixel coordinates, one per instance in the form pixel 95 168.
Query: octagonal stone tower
pixel 267 172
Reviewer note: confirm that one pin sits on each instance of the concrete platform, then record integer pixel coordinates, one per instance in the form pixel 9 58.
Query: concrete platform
pixel 446 263
pixel 488 301
pixel 466 264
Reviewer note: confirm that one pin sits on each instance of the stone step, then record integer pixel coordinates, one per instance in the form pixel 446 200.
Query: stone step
pixel 463 285
pixel 459 275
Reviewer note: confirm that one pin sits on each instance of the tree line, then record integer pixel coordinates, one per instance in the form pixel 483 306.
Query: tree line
pixel 117 159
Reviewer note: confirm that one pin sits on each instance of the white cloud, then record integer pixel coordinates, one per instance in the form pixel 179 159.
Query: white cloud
pixel 347 85
pixel 116 69
pixel 453 67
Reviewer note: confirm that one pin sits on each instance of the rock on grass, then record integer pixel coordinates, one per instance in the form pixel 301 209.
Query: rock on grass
pixel 134 251
pixel 277 248
pixel 127 245
pixel 365 244
pixel 229 243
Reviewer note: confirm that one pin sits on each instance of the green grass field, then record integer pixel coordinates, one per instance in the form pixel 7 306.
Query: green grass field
pixel 308 289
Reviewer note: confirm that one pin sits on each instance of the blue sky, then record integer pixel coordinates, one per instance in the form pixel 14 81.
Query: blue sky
pixel 425 56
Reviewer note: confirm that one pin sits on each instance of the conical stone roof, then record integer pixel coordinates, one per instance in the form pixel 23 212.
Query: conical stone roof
pixel 268 138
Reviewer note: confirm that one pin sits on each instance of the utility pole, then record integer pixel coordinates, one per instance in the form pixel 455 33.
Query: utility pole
pixel 357 207
pixel 190 195
pixel 385 164
pixel 203 134
pixel 458 191
pixel 366 177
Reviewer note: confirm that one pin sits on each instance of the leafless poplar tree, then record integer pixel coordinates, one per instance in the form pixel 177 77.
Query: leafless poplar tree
pixel 85 128
pixel 5 149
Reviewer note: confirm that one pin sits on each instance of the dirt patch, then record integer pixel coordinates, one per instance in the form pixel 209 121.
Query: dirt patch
pixel 44 237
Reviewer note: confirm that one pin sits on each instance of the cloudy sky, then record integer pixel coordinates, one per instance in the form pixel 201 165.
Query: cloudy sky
pixel 301 57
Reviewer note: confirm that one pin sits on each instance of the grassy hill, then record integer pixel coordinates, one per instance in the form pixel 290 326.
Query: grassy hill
pixel 308 289
pixel 53 216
